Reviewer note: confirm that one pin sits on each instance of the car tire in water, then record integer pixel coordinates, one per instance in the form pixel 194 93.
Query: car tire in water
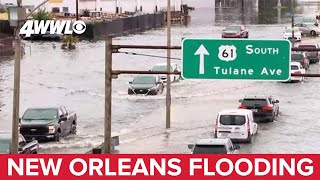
pixel 73 129
pixel 313 33
pixel 57 136
pixel 272 118
pixel 249 139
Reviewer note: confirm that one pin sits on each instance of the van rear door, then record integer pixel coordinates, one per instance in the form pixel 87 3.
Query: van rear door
pixel 232 126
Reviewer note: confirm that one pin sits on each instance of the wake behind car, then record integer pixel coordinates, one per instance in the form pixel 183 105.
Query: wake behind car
pixel 235 31
pixel 163 67
pixel 264 108
pixel 146 84
pixel 214 146
pixel 288 34
pixel 23 146
pixel 47 123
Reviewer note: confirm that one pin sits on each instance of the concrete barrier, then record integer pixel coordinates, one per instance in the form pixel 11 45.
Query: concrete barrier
pixel 124 26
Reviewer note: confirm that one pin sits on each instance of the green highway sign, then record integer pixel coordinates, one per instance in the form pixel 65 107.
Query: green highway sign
pixel 236 59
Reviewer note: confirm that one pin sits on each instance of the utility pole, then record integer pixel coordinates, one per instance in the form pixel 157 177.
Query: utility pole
pixel 292 22
pixel 16 87
pixel 108 90
pixel 77 10
pixel 168 97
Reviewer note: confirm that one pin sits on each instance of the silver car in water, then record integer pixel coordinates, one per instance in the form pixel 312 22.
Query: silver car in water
pixel 308 29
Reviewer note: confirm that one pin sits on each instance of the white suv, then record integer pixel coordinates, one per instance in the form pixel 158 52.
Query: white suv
pixel 214 146
pixel 163 67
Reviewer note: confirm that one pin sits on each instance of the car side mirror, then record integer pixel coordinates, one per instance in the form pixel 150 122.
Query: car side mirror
pixel 19 120
pixel 277 101
pixel 190 146
pixel 130 82
pixel 240 100
pixel 63 118
pixel 237 146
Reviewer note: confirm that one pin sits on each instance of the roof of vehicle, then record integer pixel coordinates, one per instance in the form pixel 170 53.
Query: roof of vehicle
pixel 256 96
pixel 215 141
pixel 308 44
pixel 46 107
pixel 236 112
pixel 296 63
pixel 237 25
pixel 164 64
pixel 146 75
pixel 302 53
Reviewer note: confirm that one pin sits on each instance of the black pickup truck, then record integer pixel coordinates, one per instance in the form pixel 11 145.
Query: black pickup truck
pixel 47 123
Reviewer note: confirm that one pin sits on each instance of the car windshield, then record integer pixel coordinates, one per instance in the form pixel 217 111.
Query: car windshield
pixel 4 144
pixel 209 149
pixel 144 80
pixel 40 114
pixel 290 30
pixel 254 102
pixel 233 28
pixel 161 68
pixel 293 67
pixel 296 57
pixel 233 120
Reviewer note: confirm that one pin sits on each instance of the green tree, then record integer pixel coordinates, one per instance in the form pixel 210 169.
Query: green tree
pixel 69 42
pixel 42 14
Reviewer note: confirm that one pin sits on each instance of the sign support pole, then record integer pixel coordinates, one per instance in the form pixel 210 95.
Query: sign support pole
pixel 106 149
pixel 168 96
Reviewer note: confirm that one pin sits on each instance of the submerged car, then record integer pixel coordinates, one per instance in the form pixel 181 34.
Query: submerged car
pixel 214 146
pixel 297 69
pixel 308 29
pixel 163 67
pixel 48 123
pixel 146 84
pixel 302 58
pixel 23 146
pixel 313 56
pixel 264 108
pixel 235 31
pixel 288 34
pixel 238 125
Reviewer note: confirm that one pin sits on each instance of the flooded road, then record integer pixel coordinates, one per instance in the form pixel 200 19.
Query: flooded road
pixel 51 76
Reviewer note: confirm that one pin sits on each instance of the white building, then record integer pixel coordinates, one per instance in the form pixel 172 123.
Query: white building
pixel 110 6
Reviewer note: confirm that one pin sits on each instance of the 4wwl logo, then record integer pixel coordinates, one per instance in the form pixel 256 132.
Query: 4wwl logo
pixel 53 27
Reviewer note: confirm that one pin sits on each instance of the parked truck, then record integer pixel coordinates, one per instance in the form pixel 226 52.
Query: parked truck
pixel 47 123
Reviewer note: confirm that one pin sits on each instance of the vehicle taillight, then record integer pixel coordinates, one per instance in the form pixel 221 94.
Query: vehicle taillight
pixel 242 107
pixel 216 129
pixel 248 127
pixel 267 108
pixel 297 72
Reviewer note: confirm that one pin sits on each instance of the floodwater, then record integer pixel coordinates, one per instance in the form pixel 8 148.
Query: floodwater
pixel 51 76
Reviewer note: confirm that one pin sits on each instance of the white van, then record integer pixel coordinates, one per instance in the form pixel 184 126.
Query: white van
pixel 238 125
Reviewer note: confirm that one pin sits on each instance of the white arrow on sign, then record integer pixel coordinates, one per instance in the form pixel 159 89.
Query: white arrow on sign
pixel 202 51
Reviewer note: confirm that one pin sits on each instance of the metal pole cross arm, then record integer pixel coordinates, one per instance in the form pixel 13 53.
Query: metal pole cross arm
pixel 117 47
pixel 118 72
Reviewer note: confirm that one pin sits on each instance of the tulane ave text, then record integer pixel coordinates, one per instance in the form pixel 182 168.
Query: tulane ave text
pixel 236 71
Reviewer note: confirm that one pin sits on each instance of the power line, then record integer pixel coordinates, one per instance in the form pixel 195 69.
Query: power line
pixel 146 55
